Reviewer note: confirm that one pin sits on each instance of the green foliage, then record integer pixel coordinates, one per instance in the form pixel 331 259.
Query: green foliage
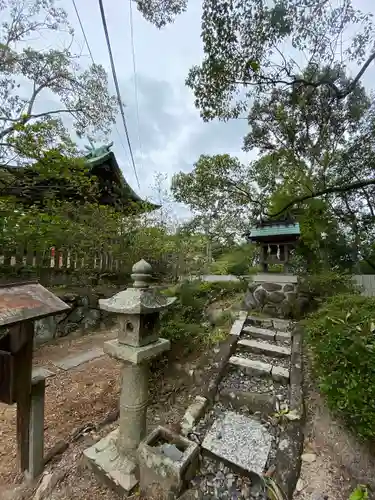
pixel 185 322
pixel 51 74
pixel 327 284
pixel 216 190
pixel 236 262
pixel 360 493
pixel 244 56
pixel 342 338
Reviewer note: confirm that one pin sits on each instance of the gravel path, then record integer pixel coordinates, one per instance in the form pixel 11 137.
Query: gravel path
pixel 245 353
pixel 237 380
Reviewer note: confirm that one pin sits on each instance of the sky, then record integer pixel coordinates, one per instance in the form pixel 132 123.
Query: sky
pixel 171 135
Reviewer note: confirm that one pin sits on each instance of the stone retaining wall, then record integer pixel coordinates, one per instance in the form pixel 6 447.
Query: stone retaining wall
pixel 84 314
pixel 280 300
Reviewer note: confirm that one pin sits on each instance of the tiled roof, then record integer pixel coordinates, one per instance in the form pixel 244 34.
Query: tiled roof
pixel 276 230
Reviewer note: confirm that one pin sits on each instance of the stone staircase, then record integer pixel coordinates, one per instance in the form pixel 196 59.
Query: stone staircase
pixel 240 434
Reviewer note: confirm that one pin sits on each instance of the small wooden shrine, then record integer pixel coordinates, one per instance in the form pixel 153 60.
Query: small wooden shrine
pixel 277 239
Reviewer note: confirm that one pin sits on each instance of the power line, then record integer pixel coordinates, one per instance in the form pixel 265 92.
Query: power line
pixel 93 61
pixel 121 107
pixel 117 88
pixel 134 72
pixel 83 31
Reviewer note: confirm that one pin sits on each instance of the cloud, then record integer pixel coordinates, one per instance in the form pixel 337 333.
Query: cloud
pixel 172 134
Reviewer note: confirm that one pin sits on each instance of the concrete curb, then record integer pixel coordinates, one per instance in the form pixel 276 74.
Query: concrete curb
pixel 217 371
pixel 290 449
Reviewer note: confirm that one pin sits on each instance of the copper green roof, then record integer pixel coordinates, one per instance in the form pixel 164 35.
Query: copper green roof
pixel 102 155
pixel 276 230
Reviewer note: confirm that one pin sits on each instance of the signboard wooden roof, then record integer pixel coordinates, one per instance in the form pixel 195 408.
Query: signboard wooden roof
pixel 27 301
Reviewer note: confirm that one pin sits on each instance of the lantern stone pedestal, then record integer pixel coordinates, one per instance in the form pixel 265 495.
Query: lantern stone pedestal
pixel 114 458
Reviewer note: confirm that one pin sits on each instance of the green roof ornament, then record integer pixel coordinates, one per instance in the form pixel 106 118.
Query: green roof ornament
pixel 93 152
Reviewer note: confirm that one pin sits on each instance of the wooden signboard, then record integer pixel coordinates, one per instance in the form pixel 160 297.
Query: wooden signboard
pixel 27 301
pixel 20 305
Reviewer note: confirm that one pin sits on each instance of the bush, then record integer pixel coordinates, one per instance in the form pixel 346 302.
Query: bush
pixel 327 284
pixel 342 337
pixel 236 262
pixel 185 322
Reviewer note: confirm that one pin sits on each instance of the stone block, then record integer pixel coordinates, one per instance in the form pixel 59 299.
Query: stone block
pixel 276 297
pixel 259 321
pixel 138 329
pixel 168 461
pixel 78 359
pixel 280 374
pixel 281 324
pixel 283 336
pixel 239 440
pixel 115 470
pixel 193 414
pixel 254 401
pixel 260 333
pixel 237 326
pixel 265 348
pixel 135 355
pixel 250 366
pixel 260 296
pixel 271 287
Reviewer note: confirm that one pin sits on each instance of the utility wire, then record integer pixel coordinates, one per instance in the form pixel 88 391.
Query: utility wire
pixel 83 31
pixel 117 88
pixel 134 72
pixel 93 62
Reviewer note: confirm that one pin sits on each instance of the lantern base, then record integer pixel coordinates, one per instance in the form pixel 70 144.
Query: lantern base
pixel 118 472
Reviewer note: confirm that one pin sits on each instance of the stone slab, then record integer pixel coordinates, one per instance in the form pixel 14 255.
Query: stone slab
pixel 281 324
pixel 251 366
pixel 193 414
pixel 283 336
pixel 260 333
pixel 280 374
pixel 266 348
pixel 258 320
pixel 79 359
pixel 238 324
pixel 116 471
pixel 135 354
pixel 240 440
pixel 40 373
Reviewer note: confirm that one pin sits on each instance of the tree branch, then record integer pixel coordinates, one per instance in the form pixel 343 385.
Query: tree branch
pixel 330 190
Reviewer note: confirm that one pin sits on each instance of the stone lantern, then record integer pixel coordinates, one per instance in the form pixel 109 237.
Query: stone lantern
pixel 138 309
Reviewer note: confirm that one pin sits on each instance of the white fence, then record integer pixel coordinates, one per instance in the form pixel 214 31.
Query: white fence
pixel 367 282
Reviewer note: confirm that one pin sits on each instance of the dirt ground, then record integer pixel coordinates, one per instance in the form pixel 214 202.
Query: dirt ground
pixel 85 395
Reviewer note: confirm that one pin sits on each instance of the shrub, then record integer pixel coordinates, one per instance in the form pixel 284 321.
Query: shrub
pixel 342 337
pixel 184 322
pixel 327 284
pixel 236 262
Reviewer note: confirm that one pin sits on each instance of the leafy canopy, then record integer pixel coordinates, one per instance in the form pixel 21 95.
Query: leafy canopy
pixel 41 88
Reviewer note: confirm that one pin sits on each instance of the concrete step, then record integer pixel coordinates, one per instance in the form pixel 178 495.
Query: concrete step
pixel 281 324
pixel 266 348
pixel 267 334
pixel 258 368
pixel 250 366
pixel 260 322
pixel 260 333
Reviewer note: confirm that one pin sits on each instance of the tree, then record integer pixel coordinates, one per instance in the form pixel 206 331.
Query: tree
pixel 245 44
pixel 253 47
pixel 217 191
pixel 28 74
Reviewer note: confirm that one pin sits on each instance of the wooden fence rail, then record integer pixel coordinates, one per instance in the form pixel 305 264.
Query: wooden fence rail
pixel 61 260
